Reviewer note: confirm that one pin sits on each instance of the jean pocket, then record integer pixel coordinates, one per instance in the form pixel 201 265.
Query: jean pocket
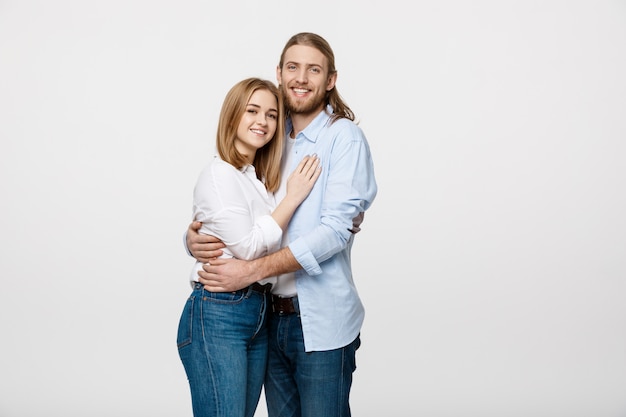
pixel 185 325
pixel 234 297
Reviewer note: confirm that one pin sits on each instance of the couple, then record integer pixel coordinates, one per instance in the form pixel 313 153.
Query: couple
pixel 279 306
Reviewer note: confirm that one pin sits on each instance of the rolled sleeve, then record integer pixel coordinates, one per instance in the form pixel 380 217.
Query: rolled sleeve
pixel 305 257
pixel 271 230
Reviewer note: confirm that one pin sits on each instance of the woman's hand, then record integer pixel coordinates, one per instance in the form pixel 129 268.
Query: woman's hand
pixel 303 178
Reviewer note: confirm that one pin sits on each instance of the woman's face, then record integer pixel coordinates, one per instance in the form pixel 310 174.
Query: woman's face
pixel 258 123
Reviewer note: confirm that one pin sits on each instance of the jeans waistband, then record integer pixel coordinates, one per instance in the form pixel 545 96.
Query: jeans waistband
pixel 261 288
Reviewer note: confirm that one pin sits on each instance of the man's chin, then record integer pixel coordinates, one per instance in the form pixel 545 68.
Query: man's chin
pixel 303 107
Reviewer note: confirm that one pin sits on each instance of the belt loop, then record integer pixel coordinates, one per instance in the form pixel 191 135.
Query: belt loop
pixel 296 304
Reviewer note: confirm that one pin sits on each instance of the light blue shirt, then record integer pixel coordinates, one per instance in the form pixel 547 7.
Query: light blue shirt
pixel 330 308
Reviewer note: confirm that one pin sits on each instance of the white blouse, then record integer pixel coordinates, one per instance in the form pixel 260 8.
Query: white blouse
pixel 234 206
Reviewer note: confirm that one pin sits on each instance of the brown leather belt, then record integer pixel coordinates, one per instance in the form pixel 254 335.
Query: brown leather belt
pixel 263 289
pixel 283 305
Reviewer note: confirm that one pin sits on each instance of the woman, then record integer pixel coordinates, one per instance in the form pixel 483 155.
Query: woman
pixel 222 337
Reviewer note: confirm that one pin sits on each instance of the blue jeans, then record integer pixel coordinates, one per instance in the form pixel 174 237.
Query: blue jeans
pixel 301 384
pixel 222 343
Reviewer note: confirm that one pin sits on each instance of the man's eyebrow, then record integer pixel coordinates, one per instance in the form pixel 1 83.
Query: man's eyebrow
pixel 305 64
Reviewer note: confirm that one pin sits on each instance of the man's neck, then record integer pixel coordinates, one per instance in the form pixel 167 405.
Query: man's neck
pixel 300 121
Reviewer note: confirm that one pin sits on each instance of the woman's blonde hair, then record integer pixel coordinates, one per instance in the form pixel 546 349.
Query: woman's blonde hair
pixel 267 159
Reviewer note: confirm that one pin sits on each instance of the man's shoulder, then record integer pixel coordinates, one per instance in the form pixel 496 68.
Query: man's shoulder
pixel 345 129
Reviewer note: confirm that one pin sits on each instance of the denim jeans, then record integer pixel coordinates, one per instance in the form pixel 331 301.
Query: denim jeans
pixel 301 384
pixel 222 343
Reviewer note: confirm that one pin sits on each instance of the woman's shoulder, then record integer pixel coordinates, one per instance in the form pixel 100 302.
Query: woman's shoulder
pixel 217 170
pixel 217 166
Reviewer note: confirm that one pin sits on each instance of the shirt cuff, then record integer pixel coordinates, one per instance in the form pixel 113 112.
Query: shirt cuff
pixel 271 231
pixel 304 257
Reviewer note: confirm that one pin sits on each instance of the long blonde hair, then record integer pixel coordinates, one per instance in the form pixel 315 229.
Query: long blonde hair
pixel 267 159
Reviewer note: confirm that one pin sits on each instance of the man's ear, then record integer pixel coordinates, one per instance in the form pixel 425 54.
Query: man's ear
pixel 332 79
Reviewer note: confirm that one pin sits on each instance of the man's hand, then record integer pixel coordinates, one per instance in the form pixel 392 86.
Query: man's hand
pixel 356 223
pixel 205 248
pixel 226 274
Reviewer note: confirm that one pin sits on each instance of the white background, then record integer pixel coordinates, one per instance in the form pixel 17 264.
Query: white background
pixel 492 264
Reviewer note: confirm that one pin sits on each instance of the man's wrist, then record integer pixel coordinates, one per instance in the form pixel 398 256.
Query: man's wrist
pixel 256 270
pixel 274 264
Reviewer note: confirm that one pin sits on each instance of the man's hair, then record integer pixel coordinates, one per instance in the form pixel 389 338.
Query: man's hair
pixel 340 108
pixel 267 159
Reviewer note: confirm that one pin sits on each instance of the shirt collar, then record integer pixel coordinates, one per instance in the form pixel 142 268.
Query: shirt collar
pixel 311 132
pixel 247 169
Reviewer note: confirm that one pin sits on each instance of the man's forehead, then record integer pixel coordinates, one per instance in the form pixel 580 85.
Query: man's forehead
pixel 304 55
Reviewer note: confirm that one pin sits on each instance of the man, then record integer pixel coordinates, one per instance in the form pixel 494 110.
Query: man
pixel 317 313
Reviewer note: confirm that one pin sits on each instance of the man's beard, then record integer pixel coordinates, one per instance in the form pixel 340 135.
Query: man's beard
pixel 309 105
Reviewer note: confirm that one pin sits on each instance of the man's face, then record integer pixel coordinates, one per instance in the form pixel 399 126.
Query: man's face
pixel 304 79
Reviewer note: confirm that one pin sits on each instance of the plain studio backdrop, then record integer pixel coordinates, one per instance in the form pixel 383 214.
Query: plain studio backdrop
pixel 492 263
